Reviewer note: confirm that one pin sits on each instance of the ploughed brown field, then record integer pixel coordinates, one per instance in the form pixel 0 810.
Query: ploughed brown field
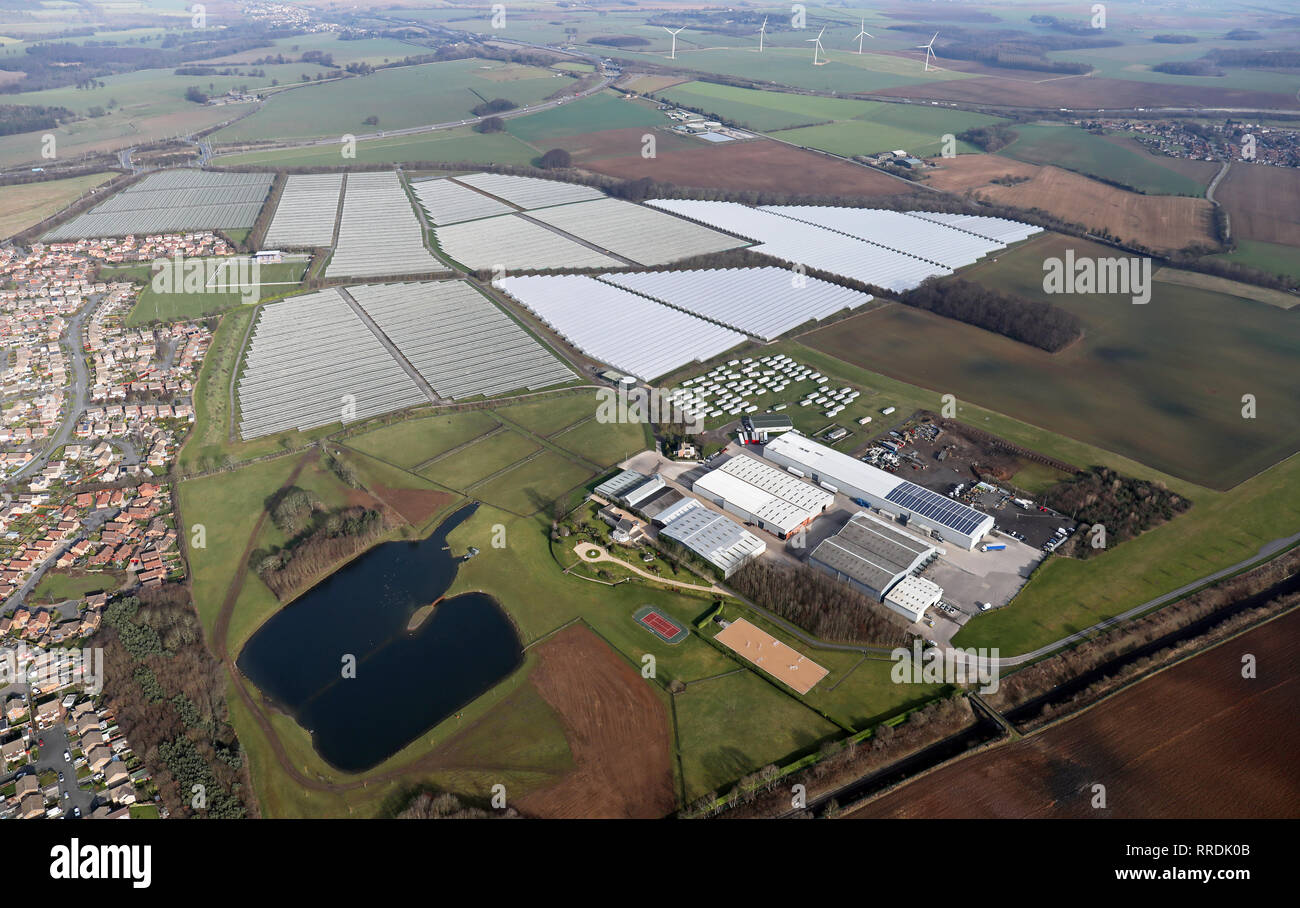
pixel 1263 202
pixel 617 728
pixel 759 165
pixel 1159 221
pixel 1085 92
pixel 1194 741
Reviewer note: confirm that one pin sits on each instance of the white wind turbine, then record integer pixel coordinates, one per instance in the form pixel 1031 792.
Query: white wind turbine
pixel 817 46
pixel 929 51
pixel 762 30
pixel 862 33
pixel 673 55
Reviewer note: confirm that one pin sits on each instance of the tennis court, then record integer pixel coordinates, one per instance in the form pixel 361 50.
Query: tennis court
pixel 660 624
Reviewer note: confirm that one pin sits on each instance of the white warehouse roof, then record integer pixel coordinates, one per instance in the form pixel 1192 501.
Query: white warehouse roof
pixel 776 498
pixel 718 540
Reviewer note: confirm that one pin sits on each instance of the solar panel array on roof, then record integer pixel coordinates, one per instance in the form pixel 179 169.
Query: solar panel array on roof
pixel 311 362
pixel 641 234
pixel 807 244
pixel 932 505
pixel 447 202
pixel 380 233
pixel 459 341
pixel 1000 230
pixel 174 201
pixel 923 239
pixel 307 211
pixel 762 302
pixel 615 326
pixel 515 244
pixel 530 192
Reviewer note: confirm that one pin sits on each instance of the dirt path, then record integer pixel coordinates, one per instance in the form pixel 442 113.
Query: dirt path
pixel 582 548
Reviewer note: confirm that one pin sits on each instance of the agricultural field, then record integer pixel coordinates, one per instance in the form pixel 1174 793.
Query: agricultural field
pixel 1138 399
pixel 1263 202
pixel 1271 257
pixel 399 98
pixel 760 165
pixel 1092 155
pixel 886 127
pixel 25 205
pixel 603 110
pixel 1161 222
pixel 446 145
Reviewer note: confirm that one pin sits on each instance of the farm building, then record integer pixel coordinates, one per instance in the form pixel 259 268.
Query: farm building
pixel 877 559
pixel 719 540
pixel 952 520
pixel 755 492
pixel 616 486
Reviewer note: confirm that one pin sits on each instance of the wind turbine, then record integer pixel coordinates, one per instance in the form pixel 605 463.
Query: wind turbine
pixel 929 51
pixel 862 33
pixel 817 46
pixel 673 55
pixel 762 30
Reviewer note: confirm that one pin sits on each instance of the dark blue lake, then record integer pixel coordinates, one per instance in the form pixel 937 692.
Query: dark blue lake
pixel 406 682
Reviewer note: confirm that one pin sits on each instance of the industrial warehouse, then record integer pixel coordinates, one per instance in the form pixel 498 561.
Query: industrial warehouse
pixel 771 499
pixel 951 520
pixel 882 562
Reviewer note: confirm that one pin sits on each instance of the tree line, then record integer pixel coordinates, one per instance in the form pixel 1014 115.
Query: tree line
pixel 1034 322
pixel 817 602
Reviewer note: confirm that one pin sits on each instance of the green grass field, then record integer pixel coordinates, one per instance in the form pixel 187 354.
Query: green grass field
pixel 1081 151
pixel 602 443
pixel 450 145
pixel 26 205
pixel 480 460
pixel 1271 257
pixel 532 486
pixel 402 97
pixel 1126 386
pixel 548 416
pixel 276 280
pixel 57 586
pixel 603 110
pixel 413 441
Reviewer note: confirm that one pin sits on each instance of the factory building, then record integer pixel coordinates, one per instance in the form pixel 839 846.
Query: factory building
pixel 719 540
pixel 919 507
pixel 630 488
pixel 759 493
pixel 880 560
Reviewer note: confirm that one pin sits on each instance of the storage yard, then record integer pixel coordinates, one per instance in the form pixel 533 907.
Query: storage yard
pixel 459 342
pixel 762 302
pixel 174 201
pixel 312 361
pixel 380 233
pixel 618 327
pixel 516 244
pixel 306 212
pixel 641 234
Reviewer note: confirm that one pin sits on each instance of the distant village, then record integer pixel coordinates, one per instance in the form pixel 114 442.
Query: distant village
pixel 92 415
pixel 1209 142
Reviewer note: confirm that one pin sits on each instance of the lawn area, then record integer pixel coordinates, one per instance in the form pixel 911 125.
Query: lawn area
pixel 449 145
pixel 27 204
pixel 600 111
pixel 413 441
pixel 399 98
pixel 479 460
pixel 532 486
pixel 604 443
pixel 728 727
pixel 275 280
pixel 1126 385
pixel 1081 151
pixel 547 416
pixel 762 110
pixel 228 505
pixel 57 586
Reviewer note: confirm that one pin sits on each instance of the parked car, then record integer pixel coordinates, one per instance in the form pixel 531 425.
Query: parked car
pixel 67 757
